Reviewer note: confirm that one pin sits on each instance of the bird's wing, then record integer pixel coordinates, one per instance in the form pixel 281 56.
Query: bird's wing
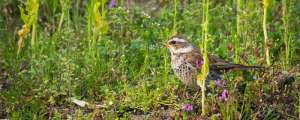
pixel 216 60
pixel 194 58
pixel 220 64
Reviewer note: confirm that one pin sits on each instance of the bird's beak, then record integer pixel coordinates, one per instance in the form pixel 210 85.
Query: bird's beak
pixel 166 44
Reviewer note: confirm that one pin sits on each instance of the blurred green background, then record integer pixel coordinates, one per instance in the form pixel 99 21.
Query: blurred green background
pixel 111 53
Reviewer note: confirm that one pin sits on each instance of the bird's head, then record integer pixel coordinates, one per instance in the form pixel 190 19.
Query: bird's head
pixel 179 45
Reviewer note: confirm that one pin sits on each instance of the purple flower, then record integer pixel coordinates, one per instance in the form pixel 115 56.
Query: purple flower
pixel 187 107
pixel 220 83
pixel 112 3
pixel 199 63
pixel 260 115
pixel 168 118
pixel 224 96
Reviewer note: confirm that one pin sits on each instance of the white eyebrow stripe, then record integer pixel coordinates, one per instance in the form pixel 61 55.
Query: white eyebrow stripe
pixel 184 50
pixel 179 40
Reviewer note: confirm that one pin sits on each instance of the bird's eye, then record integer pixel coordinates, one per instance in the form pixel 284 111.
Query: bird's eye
pixel 173 42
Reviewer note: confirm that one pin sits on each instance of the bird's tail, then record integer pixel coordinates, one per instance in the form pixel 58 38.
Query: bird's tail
pixel 230 66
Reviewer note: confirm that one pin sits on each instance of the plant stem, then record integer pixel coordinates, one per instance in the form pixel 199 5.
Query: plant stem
pixel 238 17
pixel 205 66
pixel 61 20
pixel 174 18
pixel 267 50
pixel 286 32
pixel 33 35
pixel 237 38
pixel 34 12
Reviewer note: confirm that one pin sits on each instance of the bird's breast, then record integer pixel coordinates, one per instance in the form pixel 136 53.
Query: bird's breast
pixel 176 61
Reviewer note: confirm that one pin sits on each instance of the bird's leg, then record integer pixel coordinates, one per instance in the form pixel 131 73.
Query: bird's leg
pixel 186 92
pixel 196 95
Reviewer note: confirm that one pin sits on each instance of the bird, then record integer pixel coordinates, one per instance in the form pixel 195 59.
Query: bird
pixel 187 60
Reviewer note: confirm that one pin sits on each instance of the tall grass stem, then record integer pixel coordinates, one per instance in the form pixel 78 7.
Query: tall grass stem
pixel 266 39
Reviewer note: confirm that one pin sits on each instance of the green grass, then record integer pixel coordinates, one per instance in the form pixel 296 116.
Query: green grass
pixel 115 57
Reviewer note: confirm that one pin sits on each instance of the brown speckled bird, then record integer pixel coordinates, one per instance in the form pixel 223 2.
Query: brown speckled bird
pixel 186 61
